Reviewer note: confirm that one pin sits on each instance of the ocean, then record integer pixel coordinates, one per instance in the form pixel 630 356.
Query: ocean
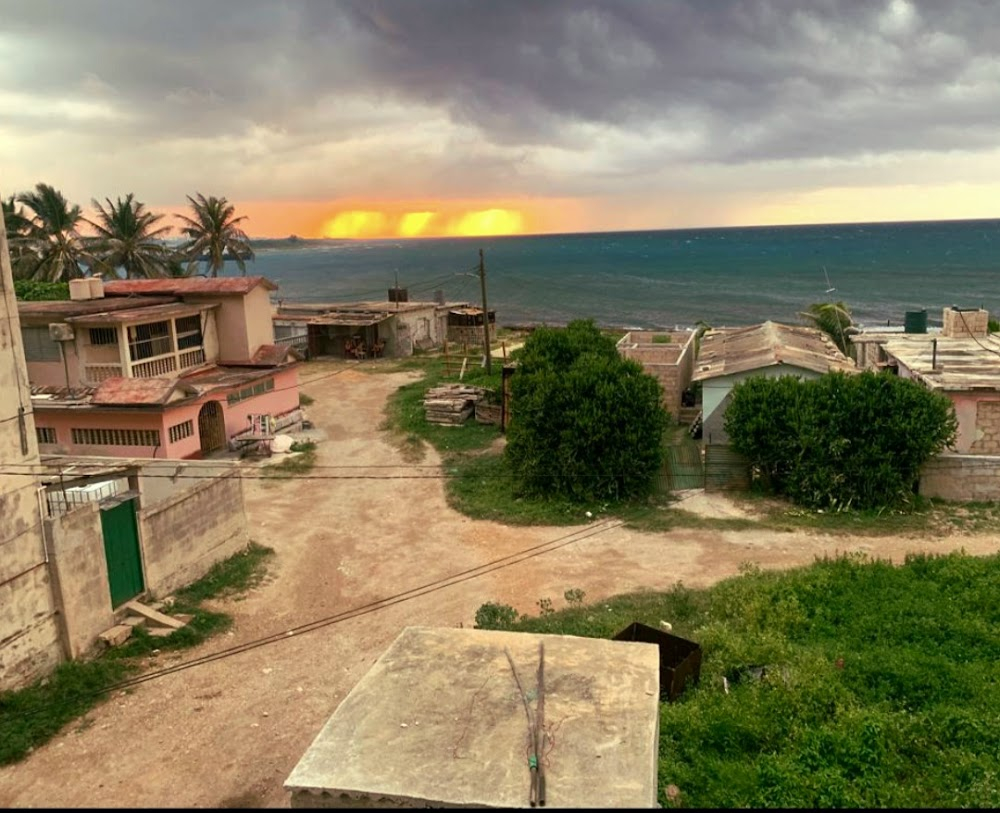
pixel 666 278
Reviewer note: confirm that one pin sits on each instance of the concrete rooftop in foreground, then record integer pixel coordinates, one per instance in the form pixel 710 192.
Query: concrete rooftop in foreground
pixel 438 721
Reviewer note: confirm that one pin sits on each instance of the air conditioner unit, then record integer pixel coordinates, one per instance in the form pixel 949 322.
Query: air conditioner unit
pixel 61 332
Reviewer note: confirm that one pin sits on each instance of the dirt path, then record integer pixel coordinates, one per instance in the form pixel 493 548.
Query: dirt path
pixel 228 733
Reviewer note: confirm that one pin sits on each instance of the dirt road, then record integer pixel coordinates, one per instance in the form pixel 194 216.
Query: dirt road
pixel 228 733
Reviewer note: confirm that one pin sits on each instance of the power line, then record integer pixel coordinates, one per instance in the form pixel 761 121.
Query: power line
pixel 365 609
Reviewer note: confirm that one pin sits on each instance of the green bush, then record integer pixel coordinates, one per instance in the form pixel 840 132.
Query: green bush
pixel 495 616
pixel 840 441
pixel 586 424
pixel 34 290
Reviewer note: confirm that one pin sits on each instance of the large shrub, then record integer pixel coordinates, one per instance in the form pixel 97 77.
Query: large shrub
pixel 36 290
pixel 585 423
pixel 839 441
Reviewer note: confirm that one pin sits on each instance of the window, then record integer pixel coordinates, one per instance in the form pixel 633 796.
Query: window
pixel 117 437
pixel 147 341
pixel 39 345
pixel 103 335
pixel 181 430
pixel 46 434
pixel 188 332
pixel 249 392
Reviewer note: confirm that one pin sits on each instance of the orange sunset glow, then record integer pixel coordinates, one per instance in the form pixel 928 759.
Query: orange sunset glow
pixel 362 220
pixel 364 224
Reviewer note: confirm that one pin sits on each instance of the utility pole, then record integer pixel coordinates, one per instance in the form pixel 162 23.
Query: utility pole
pixel 486 315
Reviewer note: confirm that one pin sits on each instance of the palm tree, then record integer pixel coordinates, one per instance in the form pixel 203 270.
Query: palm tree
pixel 52 235
pixel 16 228
pixel 128 237
pixel 834 319
pixel 215 234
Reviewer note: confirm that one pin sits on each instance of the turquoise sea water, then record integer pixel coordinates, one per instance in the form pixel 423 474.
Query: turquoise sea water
pixel 725 276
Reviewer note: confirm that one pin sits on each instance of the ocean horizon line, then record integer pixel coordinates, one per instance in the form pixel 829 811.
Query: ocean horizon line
pixel 630 232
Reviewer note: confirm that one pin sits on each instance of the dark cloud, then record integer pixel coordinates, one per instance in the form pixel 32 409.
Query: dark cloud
pixel 632 83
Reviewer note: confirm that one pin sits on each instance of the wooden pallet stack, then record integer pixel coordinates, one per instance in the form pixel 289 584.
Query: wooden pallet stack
pixel 451 404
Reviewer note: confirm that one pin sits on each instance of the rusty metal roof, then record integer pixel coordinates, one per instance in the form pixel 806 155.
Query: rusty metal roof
pixel 179 286
pixel 63 396
pixel 68 308
pixel 268 355
pixel 738 350
pixel 218 376
pixel 138 391
pixel 166 311
pixel 350 314
pixel 955 365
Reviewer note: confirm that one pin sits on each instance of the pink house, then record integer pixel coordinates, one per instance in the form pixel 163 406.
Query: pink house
pixel 173 368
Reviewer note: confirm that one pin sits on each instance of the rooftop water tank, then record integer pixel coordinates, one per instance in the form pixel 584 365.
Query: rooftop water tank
pixel 915 322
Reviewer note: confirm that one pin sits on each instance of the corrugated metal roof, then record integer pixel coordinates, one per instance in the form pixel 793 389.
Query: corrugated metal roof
pixel 66 308
pixel 136 391
pixel 350 314
pixel 179 286
pixel 167 311
pixel 739 350
pixel 267 355
pixel 210 379
pixel 957 364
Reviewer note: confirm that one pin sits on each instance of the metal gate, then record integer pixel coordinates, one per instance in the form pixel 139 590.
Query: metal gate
pixel 682 466
pixel 121 549
pixel 725 469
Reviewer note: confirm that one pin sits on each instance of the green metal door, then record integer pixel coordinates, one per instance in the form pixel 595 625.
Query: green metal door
pixel 121 549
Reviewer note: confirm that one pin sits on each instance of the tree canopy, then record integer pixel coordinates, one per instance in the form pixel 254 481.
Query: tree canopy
pixel 214 232
pixel 586 423
pixel 45 240
pixel 839 441
pixel 129 237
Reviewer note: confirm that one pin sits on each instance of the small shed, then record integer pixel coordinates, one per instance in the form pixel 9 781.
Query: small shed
pixel 440 721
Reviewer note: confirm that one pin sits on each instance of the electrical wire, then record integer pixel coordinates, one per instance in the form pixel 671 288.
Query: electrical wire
pixel 469 574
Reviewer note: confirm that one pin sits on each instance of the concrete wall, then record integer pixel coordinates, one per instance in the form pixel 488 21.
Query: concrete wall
pixel 672 363
pixel 715 397
pixel 242 323
pixel 65 420
pixel 961 477
pixel 184 535
pixel 80 577
pixel 29 633
pixel 423 325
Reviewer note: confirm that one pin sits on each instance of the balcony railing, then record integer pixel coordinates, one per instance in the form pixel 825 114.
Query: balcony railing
pixel 154 368
pixel 96 373
pixel 191 358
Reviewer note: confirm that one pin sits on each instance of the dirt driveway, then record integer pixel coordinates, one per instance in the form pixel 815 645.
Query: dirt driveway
pixel 229 732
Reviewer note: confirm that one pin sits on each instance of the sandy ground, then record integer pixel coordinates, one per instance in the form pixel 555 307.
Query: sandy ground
pixel 365 527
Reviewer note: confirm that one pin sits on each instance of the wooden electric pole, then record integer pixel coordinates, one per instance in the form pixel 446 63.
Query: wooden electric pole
pixel 486 315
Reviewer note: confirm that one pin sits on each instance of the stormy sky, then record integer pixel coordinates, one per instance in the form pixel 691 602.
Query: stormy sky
pixel 630 113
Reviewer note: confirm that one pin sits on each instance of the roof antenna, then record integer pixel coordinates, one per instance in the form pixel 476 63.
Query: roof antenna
pixel 829 288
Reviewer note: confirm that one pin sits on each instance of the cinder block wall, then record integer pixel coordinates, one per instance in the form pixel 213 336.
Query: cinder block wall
pixel 671 364
pixel 184 535
pixel 961 477
pixel 965 324
pixel 80 576
pixel 987 430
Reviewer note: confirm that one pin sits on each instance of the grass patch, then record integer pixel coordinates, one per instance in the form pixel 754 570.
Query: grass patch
pixel 481 487
pixel 306 400
pixel 881 690
pixel 662 338
pixel 31 716
pixel 300 463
